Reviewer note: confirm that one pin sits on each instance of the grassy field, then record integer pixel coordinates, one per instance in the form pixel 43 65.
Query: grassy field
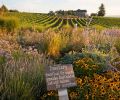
pixel 93 51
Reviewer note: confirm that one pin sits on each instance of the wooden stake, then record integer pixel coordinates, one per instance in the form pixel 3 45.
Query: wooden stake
pixel 63 95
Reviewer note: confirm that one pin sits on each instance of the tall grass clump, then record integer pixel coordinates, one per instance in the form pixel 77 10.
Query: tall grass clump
pixel 117 45
pixel 22 76
pixel 39 40
pixel 8 24
pixel 54 46
pixel 51 42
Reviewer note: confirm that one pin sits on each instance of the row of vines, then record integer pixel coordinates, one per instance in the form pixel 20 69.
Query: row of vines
pixel 38 19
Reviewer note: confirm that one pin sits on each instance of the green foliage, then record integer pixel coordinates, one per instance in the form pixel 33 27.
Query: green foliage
pixel 40 28
pixel 93 14
pixel 13 10
pixel 2 60
pixel 106 21
pixel 68 28
pixel 98 27
pixel 8 24
pixel 22 77
pixel 35 20
pixel 71 58
pixel 52 43
pixel 36 28
pixel 117 45
pixel 105 48
pixel 4 8
pixel 85 67
pixel 51 13
pixel 101 11
pixel 72 13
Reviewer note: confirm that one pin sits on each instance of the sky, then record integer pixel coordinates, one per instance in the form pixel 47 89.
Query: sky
pixel 112 6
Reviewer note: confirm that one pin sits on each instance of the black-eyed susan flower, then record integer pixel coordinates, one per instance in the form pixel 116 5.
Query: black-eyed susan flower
pixel 79 81
pixel 73 94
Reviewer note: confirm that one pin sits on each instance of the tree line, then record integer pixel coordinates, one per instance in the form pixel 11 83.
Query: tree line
pixel 3 9
pixel 66 12
pixel 101 12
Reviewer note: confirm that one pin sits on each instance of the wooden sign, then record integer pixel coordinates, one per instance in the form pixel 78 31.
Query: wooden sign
pixel 60 77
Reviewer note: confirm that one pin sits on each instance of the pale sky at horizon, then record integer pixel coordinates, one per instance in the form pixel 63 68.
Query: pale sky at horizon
pixel 112 6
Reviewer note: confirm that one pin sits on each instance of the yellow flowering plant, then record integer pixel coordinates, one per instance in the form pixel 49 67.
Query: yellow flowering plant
pixel 85 67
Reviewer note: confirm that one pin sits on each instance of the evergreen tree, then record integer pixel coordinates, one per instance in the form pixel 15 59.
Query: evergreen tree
pixel 101 11
pixel 4 8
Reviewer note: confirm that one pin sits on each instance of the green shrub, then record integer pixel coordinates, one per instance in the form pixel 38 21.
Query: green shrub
pixel 71 58
pixel 9 24
pixel 85 67
pixel 105 48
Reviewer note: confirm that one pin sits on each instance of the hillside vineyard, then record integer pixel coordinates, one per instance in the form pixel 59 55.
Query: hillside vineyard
pixel 57 22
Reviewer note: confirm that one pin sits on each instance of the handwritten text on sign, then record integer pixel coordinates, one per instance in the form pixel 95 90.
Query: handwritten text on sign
pixel 60 77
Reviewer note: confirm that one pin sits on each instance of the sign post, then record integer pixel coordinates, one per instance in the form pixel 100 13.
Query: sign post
pixel 60 77
pixel 63 95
